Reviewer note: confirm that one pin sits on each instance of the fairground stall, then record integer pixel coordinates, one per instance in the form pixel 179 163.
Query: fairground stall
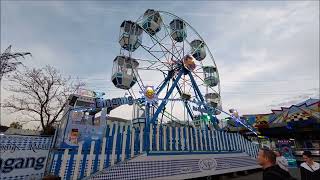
pixel 292 129
pixel 173 92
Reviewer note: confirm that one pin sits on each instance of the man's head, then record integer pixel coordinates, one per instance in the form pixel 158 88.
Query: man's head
pixel 307 157
pixel 266 157
pixel 277 153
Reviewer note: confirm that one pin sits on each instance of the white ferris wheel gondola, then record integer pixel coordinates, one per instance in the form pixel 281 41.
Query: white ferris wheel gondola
pixel 130 35
pixel 152 22
pixel 199 50
pixel 211 77
pixel 123 75
pixel 178 30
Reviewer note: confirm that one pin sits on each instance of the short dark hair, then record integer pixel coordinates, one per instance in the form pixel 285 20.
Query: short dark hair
pixel 307 153
pixel 278 152
pixel 269 155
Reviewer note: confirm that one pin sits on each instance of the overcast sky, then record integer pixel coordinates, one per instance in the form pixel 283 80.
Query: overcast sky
pixel 267 52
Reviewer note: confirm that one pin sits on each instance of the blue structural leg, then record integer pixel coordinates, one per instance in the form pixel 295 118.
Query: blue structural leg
pixel 147 129
pixel 186 104
pixel 164 101
pixel 165 82
pixel 199 94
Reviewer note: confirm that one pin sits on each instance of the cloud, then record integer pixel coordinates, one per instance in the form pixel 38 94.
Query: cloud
pixel 266 52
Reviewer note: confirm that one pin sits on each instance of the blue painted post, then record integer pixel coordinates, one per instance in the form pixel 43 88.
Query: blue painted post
pixel 164 102
pixel 233 141
pixel 250 146
pixel 97 153
pixel 128 143
pixel 237 141
pixel 186 138
pixel 220 140
pixel 170 138
pixel 186 104
pixel 83 165
pixel 228 141
pixel 147 129
pixel 58 162
pixel 242 144
pixel 205 145
pixel 177 137
pixel 109 144
pixel 196 138
pixel 223 142
pixel 252 149
pixel 173 138
pixel 195 86
pixel 226 138
pixel 137 141
pixel 161 129
pixel 165 82
pixel 214 140
pixel 119 142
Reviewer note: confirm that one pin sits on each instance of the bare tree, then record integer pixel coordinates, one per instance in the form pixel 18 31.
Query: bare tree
pixel 9 61
pixel 40 94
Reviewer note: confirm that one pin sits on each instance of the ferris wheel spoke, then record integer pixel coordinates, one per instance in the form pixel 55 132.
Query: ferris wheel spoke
pixel 139 80
pixel 166 49
pixel 194 48
pixel 174 43
pixel 158 65
pixel 197 70
pixel 174 84
pixel 162 51
pixel 159 40
pixel 185 103
pixel 153 69
pixel 146 60
pixel 163 54
pixel 155 56
pixel 204 83
pixel 132 94
pixel 188 82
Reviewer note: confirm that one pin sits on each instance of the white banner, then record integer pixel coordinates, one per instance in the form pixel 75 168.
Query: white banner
pixel 23 157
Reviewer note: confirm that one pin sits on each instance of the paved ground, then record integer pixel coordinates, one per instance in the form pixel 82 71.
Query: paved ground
pixel 251 175
pixel 295 172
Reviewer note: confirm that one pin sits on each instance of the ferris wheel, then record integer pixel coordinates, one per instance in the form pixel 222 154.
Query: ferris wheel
pixel 163 59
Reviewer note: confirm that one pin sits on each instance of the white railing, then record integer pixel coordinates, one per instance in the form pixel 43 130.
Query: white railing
pixel 123 142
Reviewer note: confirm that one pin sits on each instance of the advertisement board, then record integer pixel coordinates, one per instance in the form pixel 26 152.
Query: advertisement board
pixel 23 157
pixel 83 127
pixel 284 147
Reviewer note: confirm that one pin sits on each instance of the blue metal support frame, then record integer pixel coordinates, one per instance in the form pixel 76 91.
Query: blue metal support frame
pixel 186 104
pixel 147 129
pixel 199 94
pixel 165 82
pixel 164 101
pixel 190 114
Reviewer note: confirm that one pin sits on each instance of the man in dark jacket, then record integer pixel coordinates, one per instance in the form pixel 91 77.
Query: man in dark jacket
pixel 271 171
pixel 310 170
